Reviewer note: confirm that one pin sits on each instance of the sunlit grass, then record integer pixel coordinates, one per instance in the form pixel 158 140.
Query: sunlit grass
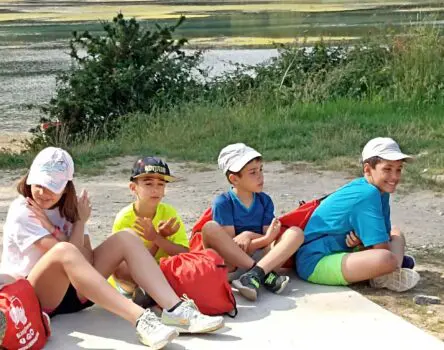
pixel 87 13
pixel 263 41
pixel 422 9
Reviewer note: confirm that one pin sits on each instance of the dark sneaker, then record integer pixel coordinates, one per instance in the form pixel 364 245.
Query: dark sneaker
pixel 248 285
pixel 408 262
pixel 276 283
pixel 141 298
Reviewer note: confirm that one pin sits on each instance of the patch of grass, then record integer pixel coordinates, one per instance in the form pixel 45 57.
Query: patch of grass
pixel 330 135
pixel 243 41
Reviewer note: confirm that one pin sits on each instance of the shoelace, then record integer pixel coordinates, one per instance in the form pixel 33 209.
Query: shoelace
pixel 252 279
pixel 148 321
pixel 189 308
pixel 271 278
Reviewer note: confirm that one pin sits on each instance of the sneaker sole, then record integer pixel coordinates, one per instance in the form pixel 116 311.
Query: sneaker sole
pixel 398 281
pixel 407 280
pixel 209 329
pixel 249 293
pixel 283 286
pixel 163 343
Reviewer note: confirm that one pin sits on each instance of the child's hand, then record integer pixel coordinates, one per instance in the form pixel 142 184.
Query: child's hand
pixel 273 230
pixel 39 214
pixel 145 228
pixel 352 240
pixel 168 228
pixel 84 206
pixel 243 241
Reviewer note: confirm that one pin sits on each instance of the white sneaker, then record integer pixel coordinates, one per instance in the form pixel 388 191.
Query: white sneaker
pixel 399 280
pixel 152 332
pixel 186 318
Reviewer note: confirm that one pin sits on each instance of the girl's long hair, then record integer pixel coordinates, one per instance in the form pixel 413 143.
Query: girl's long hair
pixel 67 204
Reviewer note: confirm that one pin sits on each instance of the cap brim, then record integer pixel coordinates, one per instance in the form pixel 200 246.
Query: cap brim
pixel 43 179
pixel 396 156
pixel 241 162
pixel 167 178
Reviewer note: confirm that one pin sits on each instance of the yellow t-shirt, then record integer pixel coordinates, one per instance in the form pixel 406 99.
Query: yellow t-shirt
pixel 126 218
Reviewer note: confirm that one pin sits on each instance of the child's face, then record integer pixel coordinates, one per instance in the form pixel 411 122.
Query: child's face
pixel 45 198
pixel 150 188
pixel 386 174
pixel 251 177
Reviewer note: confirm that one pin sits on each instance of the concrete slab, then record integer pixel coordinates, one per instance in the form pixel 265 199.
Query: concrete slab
pixel 307 316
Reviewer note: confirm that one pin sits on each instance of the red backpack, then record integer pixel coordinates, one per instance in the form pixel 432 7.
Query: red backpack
pixel 23 325
pixel 297 217
pixel 203 277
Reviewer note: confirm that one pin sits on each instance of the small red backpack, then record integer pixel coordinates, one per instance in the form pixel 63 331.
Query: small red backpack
pixel 203 277
pixel 23 325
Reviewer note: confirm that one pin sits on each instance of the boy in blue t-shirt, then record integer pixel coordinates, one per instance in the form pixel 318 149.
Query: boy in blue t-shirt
pixel 361 207
pixel 244 224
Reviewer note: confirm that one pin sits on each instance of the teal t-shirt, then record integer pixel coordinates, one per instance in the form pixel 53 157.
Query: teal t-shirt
pixel 359 207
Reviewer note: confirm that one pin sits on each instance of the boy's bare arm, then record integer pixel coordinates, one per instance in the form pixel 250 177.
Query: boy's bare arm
pixel 153 250
pixel 169 247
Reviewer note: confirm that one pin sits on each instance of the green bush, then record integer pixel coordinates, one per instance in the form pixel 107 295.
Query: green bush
pixel 127 69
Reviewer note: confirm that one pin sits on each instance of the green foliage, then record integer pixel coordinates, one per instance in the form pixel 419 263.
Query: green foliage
pixel 126 69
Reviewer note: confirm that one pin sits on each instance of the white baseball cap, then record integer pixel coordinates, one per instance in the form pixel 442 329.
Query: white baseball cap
pixel 385 148
pixel 52 168
pixel 235 156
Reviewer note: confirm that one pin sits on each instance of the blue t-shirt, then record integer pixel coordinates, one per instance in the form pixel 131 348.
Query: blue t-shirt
pixel 359 207
pixel 228 210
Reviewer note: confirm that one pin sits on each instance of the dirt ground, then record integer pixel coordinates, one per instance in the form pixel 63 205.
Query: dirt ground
pixel 419 214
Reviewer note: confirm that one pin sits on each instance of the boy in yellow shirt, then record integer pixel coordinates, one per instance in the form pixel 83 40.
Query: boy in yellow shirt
pixel 166 230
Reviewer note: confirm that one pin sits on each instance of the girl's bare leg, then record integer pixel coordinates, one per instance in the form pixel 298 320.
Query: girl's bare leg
pixel 64 264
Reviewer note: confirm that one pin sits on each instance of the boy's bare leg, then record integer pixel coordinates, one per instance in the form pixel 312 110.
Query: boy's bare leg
pixel 285 247
pixel 397 244
pixel 368 264
pixel 123 277
pixel 125 246
pixel 215 237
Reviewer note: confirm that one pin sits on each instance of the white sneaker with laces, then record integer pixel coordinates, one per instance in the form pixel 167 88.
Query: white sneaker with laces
pixel 152 332
pixel 399 280
pixel 186 318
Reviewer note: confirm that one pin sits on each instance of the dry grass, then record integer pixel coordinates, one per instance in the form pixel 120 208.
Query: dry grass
pixel 261 41
pixel 89 13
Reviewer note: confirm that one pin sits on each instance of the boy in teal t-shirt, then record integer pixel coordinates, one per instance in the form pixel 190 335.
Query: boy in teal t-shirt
pixel 362 207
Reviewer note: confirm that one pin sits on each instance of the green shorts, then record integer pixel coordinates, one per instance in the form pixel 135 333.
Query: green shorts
pixel 329 271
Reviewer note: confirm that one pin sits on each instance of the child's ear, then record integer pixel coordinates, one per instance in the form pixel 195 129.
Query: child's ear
pixel 233 179
pixel 366 169
pixel 132 187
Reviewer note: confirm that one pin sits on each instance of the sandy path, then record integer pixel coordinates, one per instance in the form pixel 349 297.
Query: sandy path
pixel 418 214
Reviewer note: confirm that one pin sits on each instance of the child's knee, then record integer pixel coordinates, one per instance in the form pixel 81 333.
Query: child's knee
pixel 65 252
pixel 65 249
pixel 388 261
pixel 396 232
pixel 210 228
pixel 294 234
pixel 125 236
